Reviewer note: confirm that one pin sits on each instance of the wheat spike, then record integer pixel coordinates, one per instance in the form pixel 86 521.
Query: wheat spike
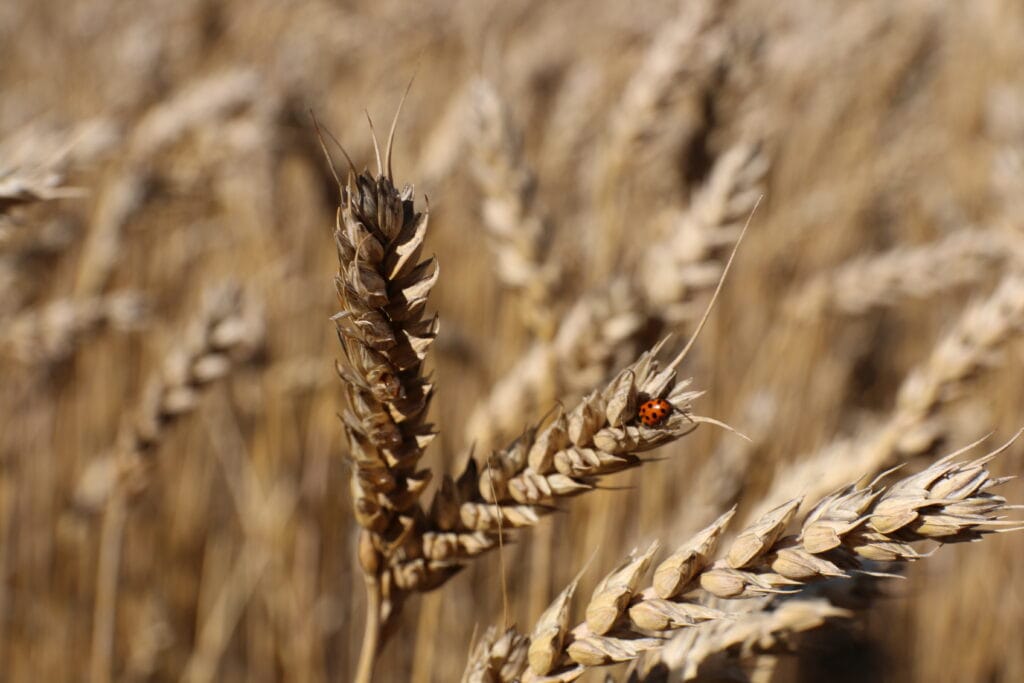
pixel 601 330
pixel 750 628
pixel 965 257
pixel 520 234
pixel 50 334
pixel 226 331
pixel 844 533
pixel 517 485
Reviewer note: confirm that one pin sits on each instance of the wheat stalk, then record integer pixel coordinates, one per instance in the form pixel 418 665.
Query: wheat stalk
pixel 845 533
pixel 265 513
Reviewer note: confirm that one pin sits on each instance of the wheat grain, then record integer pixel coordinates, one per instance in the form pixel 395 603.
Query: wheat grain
pixel 498 656
pixel 753 627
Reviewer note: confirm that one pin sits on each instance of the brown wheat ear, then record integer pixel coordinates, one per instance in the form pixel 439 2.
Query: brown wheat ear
pixel 384 335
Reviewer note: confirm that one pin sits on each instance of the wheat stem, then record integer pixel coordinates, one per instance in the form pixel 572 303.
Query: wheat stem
pixel 371 631
pixel 107 574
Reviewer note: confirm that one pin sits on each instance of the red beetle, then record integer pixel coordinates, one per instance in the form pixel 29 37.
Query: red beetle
pixel 654 411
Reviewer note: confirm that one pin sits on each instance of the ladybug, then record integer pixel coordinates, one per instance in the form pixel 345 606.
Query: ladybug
pixel 654 411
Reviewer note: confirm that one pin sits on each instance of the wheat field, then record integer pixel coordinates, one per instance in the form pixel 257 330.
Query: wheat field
pixel 299 388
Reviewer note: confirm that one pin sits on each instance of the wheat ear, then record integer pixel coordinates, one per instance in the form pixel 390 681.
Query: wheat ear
pixel 965 257
pixel 754 627
pixel 517 485
pixel 19 187
pixel 226 331
pixel 679 53
pixel 204 101
pixel 33 165
pixel 520 234
pixel 384 334
pixel 602 331
pixel 844 534
pixel 684 53
pixel 50 333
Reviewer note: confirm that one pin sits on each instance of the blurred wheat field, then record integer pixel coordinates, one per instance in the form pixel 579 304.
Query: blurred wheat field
pixel 175 497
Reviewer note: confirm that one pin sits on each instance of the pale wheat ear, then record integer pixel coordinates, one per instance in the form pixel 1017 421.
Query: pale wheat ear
pixel 718 289
pixel 631 601
pixel 394 125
